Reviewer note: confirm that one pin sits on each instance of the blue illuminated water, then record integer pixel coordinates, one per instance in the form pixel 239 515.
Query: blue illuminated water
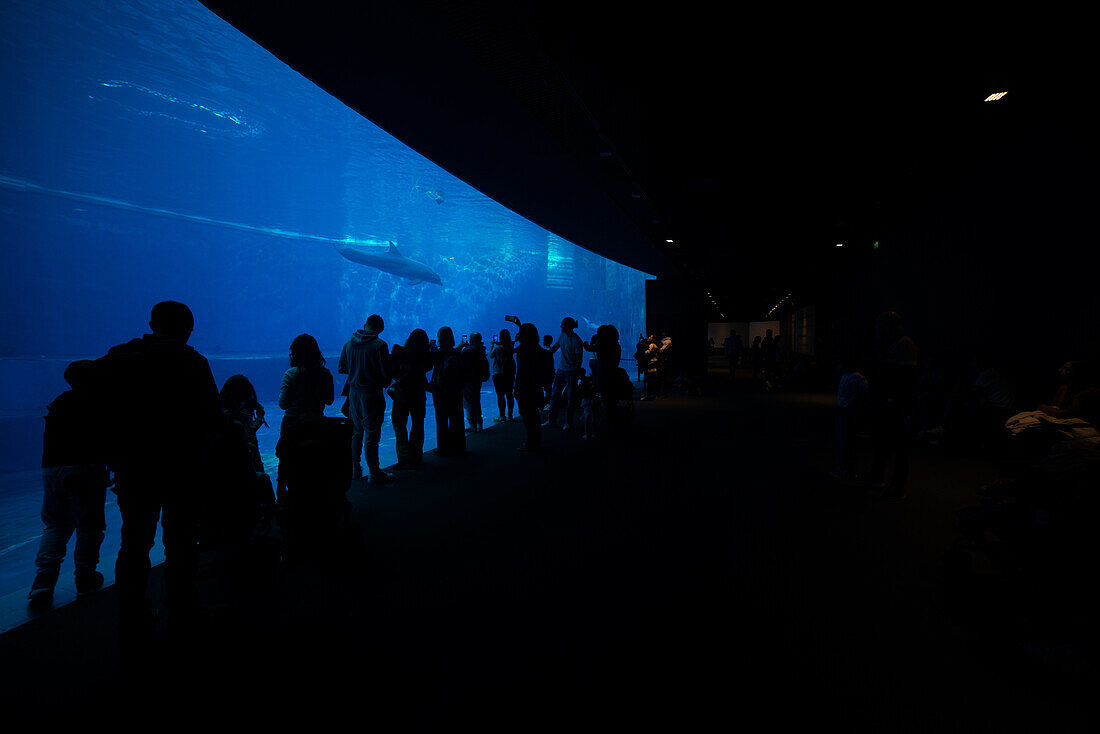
pixel 150 151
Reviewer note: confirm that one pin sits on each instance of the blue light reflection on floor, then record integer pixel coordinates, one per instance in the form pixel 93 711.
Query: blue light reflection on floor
pixel 21 527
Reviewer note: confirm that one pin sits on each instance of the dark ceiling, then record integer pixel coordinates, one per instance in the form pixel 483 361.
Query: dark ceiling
pixel 756 140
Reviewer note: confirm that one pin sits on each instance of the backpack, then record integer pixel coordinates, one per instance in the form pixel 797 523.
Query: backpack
pixel 450 377
pixel 477 365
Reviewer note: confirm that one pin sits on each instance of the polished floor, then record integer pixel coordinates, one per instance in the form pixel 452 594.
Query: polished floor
pixel 701 573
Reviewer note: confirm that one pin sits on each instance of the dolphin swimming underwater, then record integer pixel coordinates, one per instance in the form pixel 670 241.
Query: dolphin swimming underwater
pixel 391 261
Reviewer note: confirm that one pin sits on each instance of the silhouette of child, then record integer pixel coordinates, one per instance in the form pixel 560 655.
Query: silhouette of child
pixel 74 486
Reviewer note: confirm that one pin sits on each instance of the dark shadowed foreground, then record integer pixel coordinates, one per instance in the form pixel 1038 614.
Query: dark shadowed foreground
pixel 701 572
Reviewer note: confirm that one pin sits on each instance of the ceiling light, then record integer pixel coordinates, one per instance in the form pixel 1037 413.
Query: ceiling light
pixel 840 244
pixel 669 241
pixel 995 96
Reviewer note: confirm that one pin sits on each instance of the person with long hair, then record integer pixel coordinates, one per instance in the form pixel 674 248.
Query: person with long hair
pixel 239 401
pixel 529 381
pixel 502 363
pixel 446 386
pixel 306 389
pixel 608 353
pixel 411 363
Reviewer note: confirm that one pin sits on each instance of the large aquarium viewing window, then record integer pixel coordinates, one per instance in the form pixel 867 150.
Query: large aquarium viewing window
pixel 150 151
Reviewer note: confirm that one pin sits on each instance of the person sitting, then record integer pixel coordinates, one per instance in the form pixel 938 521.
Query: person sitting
pixel 976 414
pixel 306 389
pixel 411 363
pixel 1078 396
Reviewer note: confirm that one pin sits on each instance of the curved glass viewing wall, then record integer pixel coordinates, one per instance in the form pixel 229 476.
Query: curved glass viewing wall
pixel 151 151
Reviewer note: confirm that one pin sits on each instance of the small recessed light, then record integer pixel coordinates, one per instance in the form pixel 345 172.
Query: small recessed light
pixel 995 96
pixel 840 244
pixel 669 241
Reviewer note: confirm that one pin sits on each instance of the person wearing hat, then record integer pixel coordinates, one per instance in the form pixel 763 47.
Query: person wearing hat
pixel 569 351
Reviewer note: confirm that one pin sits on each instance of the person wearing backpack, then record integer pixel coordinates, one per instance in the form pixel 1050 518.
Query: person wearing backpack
pixel 74 486
pixel 504 374
pixel 475 368
pixel 446 387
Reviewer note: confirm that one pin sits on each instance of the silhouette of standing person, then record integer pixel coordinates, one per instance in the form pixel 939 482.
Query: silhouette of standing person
pixel 608 353
pixel 365 359
pixel 893 393
pixel 306 389
pixel 446 387
pixel 571 350
pixel 167 411
pixel 411 364
pixel 767 353
pixel 732 345
pixel 503 367
pixel 641 357
pixel 529 382
pixel 74 485
pixel 755 356
pixel 475 367
pixel 547 369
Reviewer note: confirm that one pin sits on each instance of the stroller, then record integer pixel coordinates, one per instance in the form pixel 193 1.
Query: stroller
pixel 315 465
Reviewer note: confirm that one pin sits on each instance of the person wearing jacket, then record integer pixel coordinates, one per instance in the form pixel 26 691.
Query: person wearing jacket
pixel 503 369
pixel 306 389
pixel 475 367
pixel 446 385
pixel 74 484
pixel 365 359
pixel 146 379
pixel 410 365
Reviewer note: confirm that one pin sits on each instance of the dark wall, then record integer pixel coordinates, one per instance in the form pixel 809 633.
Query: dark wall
pixel 999 267
pixel 679 309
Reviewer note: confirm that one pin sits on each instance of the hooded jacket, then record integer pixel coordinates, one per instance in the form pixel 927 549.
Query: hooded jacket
pixel 365 359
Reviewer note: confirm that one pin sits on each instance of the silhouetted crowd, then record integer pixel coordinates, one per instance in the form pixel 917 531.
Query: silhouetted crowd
pixel 132 413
